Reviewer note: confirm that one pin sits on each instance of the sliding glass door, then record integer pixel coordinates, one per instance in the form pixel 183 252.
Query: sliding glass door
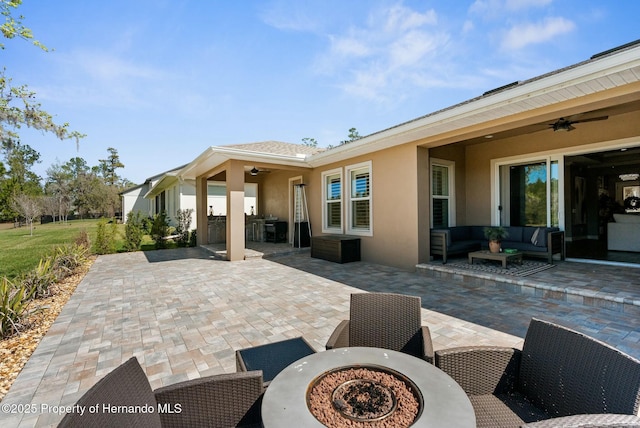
pixel 529 193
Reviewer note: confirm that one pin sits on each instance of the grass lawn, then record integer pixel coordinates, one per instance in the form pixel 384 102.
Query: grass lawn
pixel 20 252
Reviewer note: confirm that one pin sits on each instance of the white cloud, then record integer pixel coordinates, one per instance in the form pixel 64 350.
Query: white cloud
pixel 498 9
pixel 519 36
pixel 401 18
pixel 412 48
pixel 525 4
pixel 290 16
pixel 395 46
pixel 350 45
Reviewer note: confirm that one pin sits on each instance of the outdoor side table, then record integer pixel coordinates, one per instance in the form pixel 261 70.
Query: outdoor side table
pixel 272 357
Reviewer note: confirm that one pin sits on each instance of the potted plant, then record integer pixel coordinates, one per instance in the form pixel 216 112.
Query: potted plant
pixel 495 235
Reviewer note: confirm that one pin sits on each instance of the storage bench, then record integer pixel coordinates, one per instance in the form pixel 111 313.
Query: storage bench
pixel 336 248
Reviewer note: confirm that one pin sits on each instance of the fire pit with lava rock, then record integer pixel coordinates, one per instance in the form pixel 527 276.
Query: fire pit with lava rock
pixel 366 396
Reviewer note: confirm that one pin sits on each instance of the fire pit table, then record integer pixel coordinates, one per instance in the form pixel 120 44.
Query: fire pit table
pixel 365 387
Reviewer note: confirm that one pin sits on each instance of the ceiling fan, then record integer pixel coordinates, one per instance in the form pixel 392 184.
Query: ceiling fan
pixel 255 171
pixel 563 124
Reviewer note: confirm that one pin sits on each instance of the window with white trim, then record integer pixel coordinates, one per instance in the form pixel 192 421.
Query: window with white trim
pixel 359 207
pixel 442 189
pixel 332 201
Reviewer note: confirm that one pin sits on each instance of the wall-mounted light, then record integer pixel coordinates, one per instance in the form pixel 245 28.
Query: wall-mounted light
pixel 254 171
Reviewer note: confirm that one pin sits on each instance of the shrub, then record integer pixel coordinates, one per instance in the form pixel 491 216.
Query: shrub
pixel 38 281
pixel 193 239
pixel 14 304
pixel 182 230
pixel 147 223
pixel 82 240
pixel 67 259
pixel 133 231
pixel 105 237
pixel 160 229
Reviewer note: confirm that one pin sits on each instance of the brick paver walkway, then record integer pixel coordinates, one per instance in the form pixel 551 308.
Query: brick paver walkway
pixel 183 314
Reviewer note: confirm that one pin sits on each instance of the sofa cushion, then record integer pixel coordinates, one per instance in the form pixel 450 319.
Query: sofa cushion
pixel 477 233
pixel 626 218
pixel 515 233
pixel 523 246
pixel 463 246
pixel 459 233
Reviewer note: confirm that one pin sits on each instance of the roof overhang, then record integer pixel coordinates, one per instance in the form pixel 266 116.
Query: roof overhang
pixel 164 183
pixel 601 75
pixel 214 157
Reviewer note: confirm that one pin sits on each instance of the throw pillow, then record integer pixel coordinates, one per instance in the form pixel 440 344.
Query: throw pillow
pixel 534 237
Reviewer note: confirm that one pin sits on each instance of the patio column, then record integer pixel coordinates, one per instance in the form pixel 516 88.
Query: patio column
pixel 424 204
pixel 235 211
pixel 202 221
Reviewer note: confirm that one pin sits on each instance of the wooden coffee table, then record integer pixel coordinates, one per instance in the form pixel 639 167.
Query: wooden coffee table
pixel 502 257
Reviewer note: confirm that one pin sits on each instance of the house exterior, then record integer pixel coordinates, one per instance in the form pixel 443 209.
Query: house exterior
pixel 544 151
pixel 170 192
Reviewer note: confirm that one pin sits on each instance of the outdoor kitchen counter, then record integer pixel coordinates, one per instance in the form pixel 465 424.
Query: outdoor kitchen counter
pixel 445 404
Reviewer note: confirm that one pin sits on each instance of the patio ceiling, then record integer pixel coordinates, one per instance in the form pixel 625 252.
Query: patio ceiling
pixel 547 125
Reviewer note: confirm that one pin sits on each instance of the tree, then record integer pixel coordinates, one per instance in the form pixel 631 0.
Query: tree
pixel 16 176
pixel 17 103
pixel 184 224
pixel 310 142
pixel 353 136
pixel 29 207
pixel 108 167
pixel 59 189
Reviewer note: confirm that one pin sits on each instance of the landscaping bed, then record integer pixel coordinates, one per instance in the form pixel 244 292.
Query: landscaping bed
pixel 16 350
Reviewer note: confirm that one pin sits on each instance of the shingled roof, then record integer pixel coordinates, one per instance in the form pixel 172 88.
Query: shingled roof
pixel 276 148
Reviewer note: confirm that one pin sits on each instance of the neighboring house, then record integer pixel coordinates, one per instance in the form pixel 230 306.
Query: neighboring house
pixel 133 198
pixel 506 157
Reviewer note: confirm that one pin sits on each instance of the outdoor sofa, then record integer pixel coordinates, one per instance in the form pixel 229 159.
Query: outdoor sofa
pixel 219 401
pixel 543 242
pixel 561 378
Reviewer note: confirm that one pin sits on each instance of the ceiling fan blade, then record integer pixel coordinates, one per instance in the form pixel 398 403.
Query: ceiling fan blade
pixel 593 119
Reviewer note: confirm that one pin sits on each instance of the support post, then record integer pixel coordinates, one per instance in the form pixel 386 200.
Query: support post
pixel 202 222
pixel 235 211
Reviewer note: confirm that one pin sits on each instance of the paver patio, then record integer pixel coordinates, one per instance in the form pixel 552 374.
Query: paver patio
pixel 183 314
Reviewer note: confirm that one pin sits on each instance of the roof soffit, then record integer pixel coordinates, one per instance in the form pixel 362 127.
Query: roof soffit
pixel 571 84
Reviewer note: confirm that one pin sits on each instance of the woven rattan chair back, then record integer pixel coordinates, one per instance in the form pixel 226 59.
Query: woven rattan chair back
pixel 566 372
pixel 126 385
pixel 385 320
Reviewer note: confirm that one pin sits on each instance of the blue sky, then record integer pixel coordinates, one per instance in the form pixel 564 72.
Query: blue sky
pixel 161 81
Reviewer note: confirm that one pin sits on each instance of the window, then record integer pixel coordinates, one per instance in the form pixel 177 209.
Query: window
pixel 359 206
pixel 529 193
pixel 332 197
pixel 442 201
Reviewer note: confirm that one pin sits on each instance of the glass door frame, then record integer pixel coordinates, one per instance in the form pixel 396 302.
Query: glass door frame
pixel 526 159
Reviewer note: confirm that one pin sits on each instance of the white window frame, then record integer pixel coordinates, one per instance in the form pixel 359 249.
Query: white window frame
pixel 348 199
pixel 325 201
pixel 451 169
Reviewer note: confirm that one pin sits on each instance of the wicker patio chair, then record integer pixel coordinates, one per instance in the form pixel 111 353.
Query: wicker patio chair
pixel 561 378
pixel 227 400
pixel 384 320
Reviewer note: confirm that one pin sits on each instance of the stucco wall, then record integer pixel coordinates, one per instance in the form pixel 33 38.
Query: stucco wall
pixel 275 192
pixel 478 157
pixel 394 185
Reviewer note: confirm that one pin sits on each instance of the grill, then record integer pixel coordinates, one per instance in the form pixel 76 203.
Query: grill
pixel 275 231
